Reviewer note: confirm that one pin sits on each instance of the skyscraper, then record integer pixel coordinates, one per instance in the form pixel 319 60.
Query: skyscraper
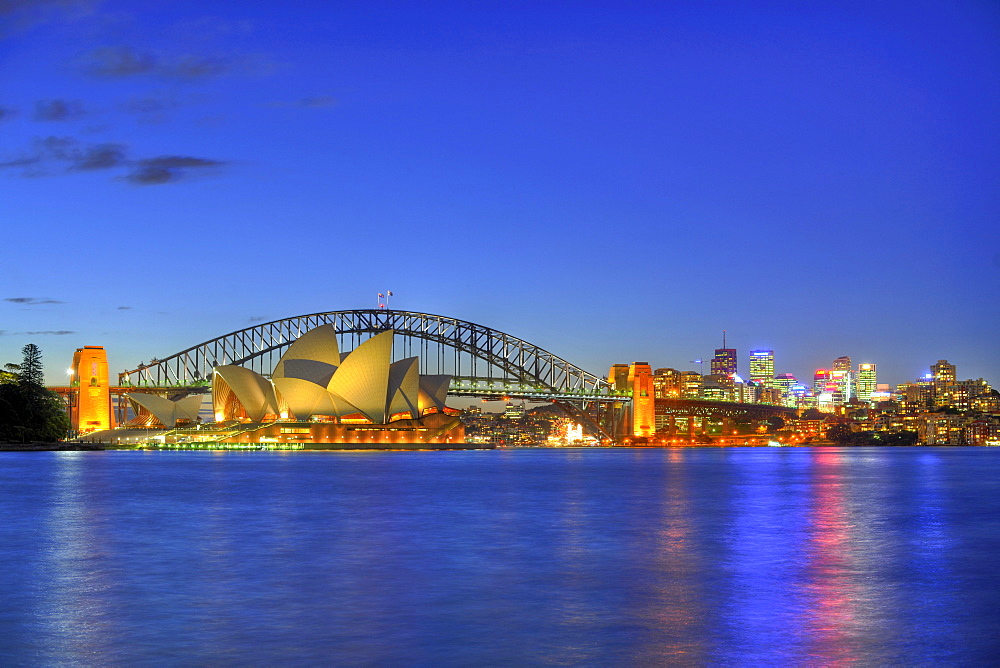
pixel 724 362
pixel 762 367
pixel 867 381
pixel 843 376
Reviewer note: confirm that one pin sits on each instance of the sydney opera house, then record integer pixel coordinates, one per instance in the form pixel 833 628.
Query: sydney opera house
pixel 320 397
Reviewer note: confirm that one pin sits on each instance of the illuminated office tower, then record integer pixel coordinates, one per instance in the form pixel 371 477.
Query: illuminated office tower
pixel 724 362
pixel 825 388
pixel 762 367
pixel 690 384
pixel 92 408
pixel 822 381
pixel 640 379
pixel 667 383
pixel 784 382
pixel 866 382
pixel 844 379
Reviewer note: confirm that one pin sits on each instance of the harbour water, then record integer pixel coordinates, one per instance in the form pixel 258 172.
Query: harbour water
pixel 736 556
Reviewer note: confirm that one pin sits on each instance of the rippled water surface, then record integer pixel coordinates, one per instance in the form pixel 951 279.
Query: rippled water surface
pixel 599 557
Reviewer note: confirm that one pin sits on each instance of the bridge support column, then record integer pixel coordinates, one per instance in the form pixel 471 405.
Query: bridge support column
pixel 92 408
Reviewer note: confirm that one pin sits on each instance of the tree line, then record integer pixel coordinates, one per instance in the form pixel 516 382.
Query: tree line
pixel 29 413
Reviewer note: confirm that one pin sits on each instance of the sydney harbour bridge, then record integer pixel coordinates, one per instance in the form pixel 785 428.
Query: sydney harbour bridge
pixel 483 363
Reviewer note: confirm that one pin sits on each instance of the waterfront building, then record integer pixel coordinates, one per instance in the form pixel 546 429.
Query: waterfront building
pixel 762 367
pixel 152 410
pixel 319 396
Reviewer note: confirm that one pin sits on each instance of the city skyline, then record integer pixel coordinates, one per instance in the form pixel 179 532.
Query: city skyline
pixel 173 174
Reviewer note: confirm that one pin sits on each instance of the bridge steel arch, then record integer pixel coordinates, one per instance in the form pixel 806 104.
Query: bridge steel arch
pixel 483 361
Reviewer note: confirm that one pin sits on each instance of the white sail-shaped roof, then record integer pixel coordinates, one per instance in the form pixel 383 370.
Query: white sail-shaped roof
pixel 433 391
pixel 404 387
pixel 304 398
pixel 316 345
pixel 363 377
pixel 254 392
pixel 166 411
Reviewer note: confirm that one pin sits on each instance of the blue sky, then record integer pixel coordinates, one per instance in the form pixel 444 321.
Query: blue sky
pixel 611 182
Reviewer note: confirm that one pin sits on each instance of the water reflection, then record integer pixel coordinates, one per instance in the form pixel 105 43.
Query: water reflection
pixel 77 598
pixel 676 606
pixel 694 556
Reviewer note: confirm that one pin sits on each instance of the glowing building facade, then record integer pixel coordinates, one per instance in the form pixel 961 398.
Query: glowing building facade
pixel 762 367
pixel 724 362
pixel 92 408
pixel 867 381
pixel 640 379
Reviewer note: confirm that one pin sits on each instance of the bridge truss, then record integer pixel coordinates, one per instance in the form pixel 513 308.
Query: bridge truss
pixel 483 362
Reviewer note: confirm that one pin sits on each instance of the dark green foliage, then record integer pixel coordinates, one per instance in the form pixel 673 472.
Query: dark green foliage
pixel 28 411
pixel 774 423
pixel 841 434
pixel 31 366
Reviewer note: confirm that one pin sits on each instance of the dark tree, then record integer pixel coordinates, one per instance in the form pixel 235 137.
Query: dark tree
pixel 31 366
pixel 840 434
pixel 28 411
pixel 774 423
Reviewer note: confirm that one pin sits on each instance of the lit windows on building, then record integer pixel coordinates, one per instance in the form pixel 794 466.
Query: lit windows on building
pixel 762 367
pixel 667 383
pixel 724 362
pixel 942 372
pixel 690 384
pixel 867 381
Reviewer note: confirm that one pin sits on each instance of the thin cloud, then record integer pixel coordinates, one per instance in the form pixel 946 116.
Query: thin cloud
pixel 168 169
pixel 124 308
pixel 58 110
pixel 54 155
pixel 121 62
pixel 317 102
pixel 57 332
pixel 116 62
pixel 32 301
pixel 20 162
pixel 25 14
pixel 100 156
pixel 6 113
pixel 258 318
